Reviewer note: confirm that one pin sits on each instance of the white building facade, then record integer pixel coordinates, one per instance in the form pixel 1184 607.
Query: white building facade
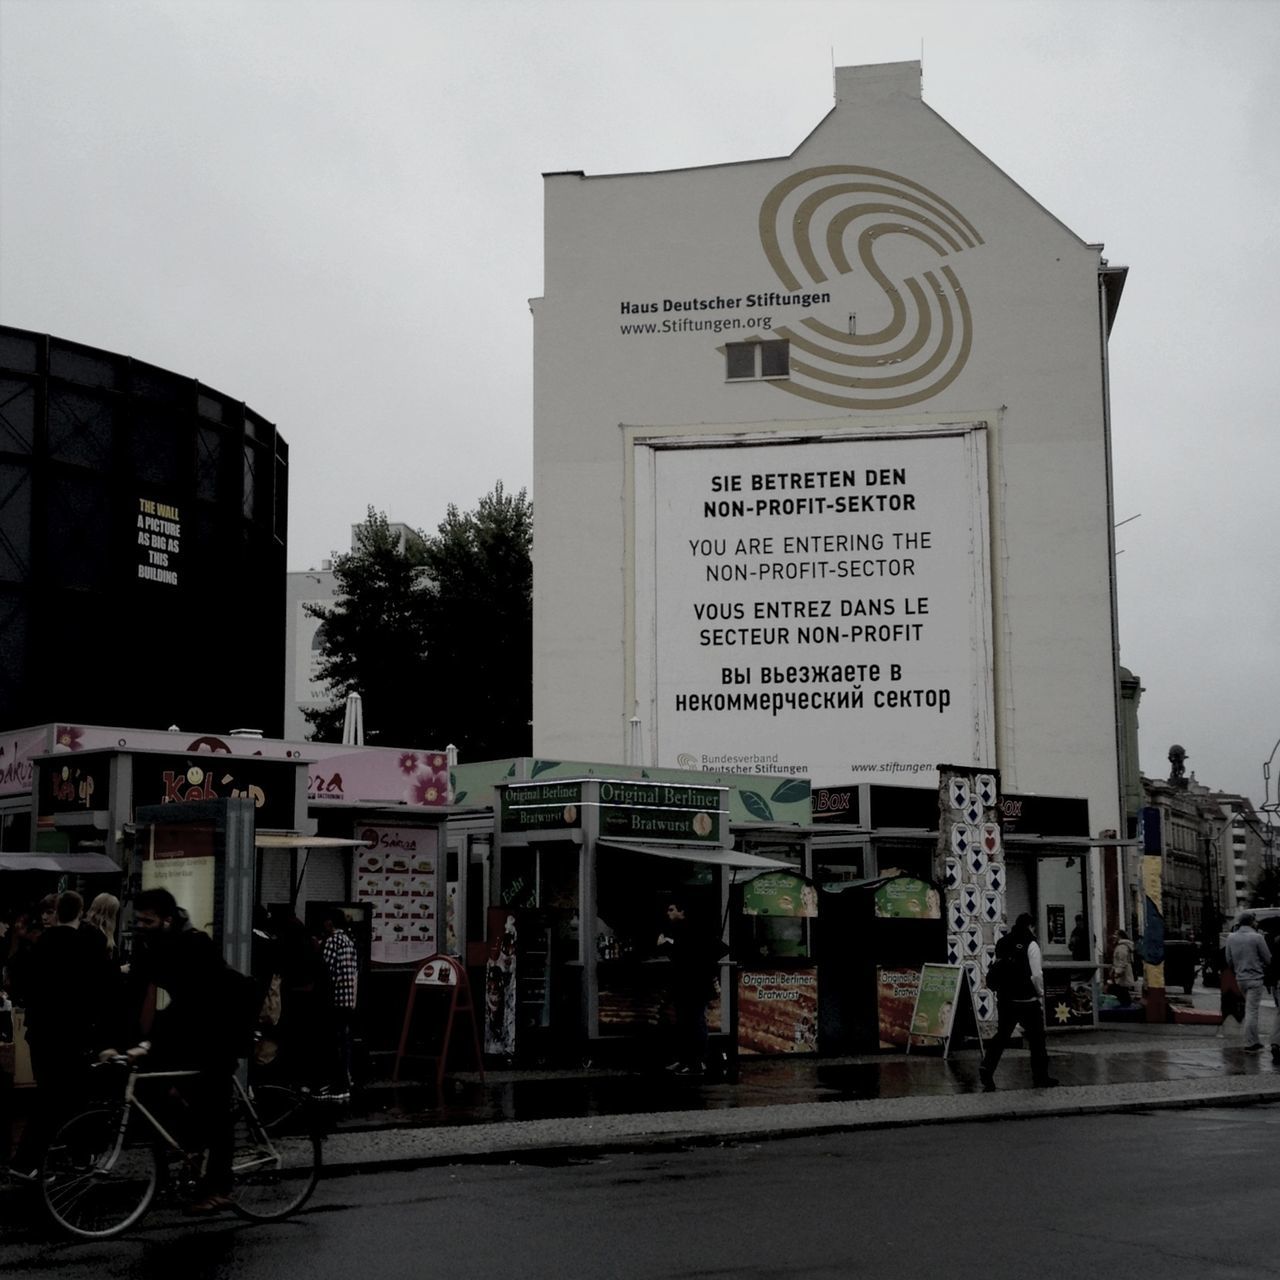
pixel 822 466
pixel 303 687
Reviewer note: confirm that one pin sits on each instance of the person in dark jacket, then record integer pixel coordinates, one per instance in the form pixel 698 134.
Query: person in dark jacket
pixel 1020 1000
pixel 694 956
pixel 21 943
pixel 304 1002
pixel 68 988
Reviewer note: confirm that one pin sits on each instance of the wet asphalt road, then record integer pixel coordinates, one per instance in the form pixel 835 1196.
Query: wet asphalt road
pixel 1170 1194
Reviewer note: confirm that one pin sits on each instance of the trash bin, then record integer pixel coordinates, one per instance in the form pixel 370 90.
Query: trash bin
pixel 1179 964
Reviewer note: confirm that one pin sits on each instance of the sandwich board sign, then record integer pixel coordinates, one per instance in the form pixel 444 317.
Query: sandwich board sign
pixel 944 1008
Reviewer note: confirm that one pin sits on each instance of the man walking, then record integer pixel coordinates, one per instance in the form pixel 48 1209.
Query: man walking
pixel 1019 1000
pixel 1249 957
pixel 695 957
pixel 344 974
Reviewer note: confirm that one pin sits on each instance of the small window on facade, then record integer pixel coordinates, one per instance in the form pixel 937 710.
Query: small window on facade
pixel 740 360
pixel 752 360
pixel 775 359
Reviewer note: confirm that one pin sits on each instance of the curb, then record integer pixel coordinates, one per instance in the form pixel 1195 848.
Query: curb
pixel 568 1141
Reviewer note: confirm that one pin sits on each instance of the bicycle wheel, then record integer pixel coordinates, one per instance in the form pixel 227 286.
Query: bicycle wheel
pixel 275 1161
pixel 90 1188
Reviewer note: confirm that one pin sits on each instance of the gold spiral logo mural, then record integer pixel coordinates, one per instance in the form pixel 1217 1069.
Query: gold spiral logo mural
pixel 834 221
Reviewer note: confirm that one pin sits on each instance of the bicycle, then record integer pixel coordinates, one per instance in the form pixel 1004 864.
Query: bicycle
pixel 103 1168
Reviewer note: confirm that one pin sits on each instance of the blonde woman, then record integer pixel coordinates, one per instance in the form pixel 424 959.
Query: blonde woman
pixel 102 915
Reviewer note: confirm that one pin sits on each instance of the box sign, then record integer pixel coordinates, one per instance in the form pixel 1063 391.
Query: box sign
pixel 549 806
pixel 822 605
pixel 1044 815
pixel 836 804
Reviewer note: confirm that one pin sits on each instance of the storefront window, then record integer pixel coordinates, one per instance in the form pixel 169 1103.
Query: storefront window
pixel 519 885
pixel 15 830
pixel 545 878
pixel 839 866
pixel 1063 915
pixel 903 858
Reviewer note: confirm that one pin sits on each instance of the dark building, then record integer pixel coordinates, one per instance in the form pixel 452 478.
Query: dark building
pixel 143 523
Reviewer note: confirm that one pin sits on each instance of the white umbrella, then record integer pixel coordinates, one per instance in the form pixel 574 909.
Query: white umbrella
pixel 353 722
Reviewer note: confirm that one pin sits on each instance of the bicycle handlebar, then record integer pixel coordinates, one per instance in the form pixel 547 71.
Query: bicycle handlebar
pixel 135 1064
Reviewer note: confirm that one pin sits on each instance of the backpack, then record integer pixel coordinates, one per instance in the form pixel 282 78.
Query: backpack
pixel 1011 969
pixel 242 1003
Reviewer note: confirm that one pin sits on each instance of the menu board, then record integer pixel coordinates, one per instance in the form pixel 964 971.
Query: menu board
pixel 936 1001
pixel 397 875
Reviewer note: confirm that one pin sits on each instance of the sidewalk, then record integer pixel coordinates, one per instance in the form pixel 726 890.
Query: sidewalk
pixel 555 1116
pixel 561 1115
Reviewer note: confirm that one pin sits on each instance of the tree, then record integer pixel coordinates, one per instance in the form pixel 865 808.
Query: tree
pixel 1265 890
pixel 373 640
pixel 436 635
pixel 480 627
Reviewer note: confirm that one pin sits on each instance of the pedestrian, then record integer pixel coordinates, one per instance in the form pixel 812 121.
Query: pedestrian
pixel 1272 979
pixel 694 955
pixel 68 991
pixel 1078 943
pixel 343 964
pixel 264 968
pixel 21 939
pixel 49 910
pixel 103 913
pixel 1122 965
pixel 1017 977
pixel 1249 957
pixel 304 1001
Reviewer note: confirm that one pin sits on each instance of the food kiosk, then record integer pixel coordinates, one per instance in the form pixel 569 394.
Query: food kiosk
pixel 583 870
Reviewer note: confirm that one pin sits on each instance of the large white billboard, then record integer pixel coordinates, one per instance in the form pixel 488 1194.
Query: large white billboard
pixel 815 605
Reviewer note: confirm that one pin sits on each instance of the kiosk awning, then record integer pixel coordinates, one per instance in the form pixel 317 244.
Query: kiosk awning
pixel 85 864
pixel 711 855
pixel 287 840
pixel 1031 840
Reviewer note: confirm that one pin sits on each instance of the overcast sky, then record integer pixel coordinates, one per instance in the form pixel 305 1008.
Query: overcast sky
pixel 333 211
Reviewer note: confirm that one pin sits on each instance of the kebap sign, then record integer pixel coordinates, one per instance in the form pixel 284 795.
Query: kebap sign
pixel 824 600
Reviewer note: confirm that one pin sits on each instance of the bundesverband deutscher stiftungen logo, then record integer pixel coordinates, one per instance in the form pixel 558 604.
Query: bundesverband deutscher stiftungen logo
pixel 824 223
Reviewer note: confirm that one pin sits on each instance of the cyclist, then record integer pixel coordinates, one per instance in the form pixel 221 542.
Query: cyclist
pixel 201 1028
